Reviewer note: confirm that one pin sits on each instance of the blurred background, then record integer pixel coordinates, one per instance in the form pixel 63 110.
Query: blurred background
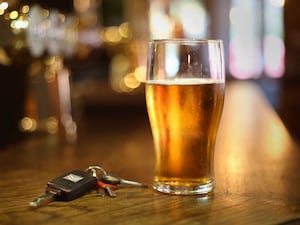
pixel 62 61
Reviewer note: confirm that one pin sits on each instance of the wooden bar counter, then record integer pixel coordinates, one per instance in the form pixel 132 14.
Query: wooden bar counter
pixel 257 168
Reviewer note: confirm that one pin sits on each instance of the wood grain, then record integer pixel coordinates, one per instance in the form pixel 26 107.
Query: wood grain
pixel 256 166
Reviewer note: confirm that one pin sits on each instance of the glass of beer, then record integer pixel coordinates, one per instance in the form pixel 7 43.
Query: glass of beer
pixel 185 88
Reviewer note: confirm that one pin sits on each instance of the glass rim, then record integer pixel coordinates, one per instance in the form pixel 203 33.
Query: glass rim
pixel 186 40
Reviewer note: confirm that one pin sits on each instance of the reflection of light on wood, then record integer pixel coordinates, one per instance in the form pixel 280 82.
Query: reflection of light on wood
pixel 242 97
pixel 251 130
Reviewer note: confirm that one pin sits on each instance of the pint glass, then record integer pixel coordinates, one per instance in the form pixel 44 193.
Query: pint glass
pixel 185 88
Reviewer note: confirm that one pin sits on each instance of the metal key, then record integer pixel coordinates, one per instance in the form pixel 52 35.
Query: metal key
pixel 110 191
pixel 108 188
pixel 111 179
pixel 102 187
pixel 66 188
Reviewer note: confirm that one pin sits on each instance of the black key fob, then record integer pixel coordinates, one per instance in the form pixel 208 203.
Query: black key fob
pixel 72 185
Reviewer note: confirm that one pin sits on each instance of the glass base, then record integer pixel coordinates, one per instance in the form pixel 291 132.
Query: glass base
pixel 184 190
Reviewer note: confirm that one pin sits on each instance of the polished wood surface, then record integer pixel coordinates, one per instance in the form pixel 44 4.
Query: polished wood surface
pixel 256 167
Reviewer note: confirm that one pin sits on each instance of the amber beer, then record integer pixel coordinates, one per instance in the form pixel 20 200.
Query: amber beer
pixel 184 115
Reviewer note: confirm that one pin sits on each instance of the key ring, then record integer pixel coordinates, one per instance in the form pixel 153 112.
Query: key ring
pixel 93 169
